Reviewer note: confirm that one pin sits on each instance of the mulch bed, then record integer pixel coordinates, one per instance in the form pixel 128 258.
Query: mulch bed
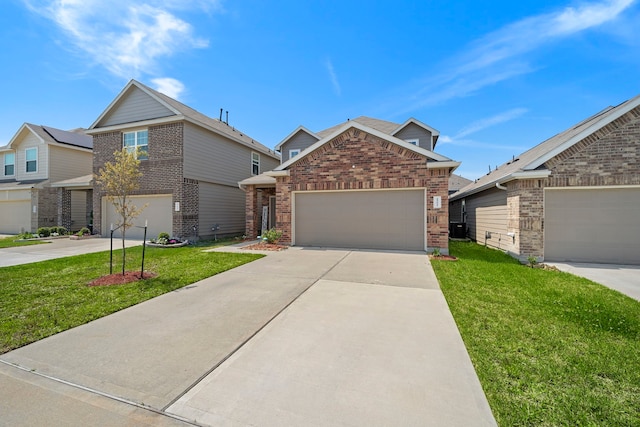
pixel 263 246
pixel 119 279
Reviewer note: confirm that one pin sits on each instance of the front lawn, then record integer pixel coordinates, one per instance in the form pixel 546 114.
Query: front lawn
pixel 9 242
pixel 42 299
pixel 550 348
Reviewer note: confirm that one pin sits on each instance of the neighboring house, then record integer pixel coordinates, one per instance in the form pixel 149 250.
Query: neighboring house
pixel 457 182
pixel 574 197
pixel 190 170
pixel 365 183
pixel 32 162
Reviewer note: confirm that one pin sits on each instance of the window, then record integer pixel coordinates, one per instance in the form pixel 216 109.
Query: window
pixel 9 164
pixel 293 153
pixel 138 140
pixel 255 164
pixel 415 141
pixel 31 155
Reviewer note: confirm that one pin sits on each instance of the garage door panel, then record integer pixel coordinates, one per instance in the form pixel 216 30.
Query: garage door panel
pixel 158 214
pixel 15 216
pixel 592 225
pixel 361 219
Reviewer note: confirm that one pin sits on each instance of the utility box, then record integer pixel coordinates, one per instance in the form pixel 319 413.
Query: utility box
pixel 457 230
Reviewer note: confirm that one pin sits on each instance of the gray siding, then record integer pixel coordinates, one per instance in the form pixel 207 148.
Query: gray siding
pixel 300 141
pixel 223 205
pixel 487 211
pixel 413 131
pixel 213 158
pixel 134 107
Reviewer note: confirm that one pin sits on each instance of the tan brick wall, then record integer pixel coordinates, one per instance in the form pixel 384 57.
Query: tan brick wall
pixel 356 160
pixel 610 156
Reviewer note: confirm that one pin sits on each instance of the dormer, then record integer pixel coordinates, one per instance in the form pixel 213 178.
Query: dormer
pixel 417 133
pixel 296 142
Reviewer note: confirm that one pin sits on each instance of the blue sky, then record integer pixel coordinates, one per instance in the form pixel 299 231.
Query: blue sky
pixel 495 78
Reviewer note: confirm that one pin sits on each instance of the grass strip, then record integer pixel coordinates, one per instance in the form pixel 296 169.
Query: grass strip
pixel 41 299
pixel 550 348
pixel 10 242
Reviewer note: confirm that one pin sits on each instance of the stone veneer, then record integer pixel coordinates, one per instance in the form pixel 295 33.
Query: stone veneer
pixel 162 173
pixel 356 160
pixel 610 156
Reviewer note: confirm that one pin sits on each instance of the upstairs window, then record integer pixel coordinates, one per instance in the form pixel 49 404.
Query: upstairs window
pixel 31 155
pixel 293 153
pixel 9 164
pixel 255 164
pixel 414 141
pixel 137 141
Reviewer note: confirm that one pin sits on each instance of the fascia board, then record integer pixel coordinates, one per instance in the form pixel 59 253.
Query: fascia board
pixel 133 125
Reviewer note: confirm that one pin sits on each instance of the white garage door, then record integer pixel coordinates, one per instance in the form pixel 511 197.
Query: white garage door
pixel 15 216
pixel 592 225
pixel 158 214
pixel 393 219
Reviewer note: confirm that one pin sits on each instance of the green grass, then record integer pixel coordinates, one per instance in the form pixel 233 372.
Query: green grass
pixel 550 348
pixel 10 242
pixel 41 299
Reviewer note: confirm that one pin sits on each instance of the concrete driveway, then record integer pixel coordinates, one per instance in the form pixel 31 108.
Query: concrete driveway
pixel 622 278
pixel 58 248
pixel 300 337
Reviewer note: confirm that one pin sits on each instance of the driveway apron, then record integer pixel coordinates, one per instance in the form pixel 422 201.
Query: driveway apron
pixel 301 337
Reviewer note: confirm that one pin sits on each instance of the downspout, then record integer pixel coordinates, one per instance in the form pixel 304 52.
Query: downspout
pixel 500 187
pixel 242 187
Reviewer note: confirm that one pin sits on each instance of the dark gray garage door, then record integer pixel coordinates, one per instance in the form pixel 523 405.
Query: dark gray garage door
pixel 592 225
pixel 393 219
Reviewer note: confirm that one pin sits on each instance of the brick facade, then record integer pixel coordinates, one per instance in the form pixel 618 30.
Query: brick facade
pixel 608 157
pixel 162 173
pixel 356 160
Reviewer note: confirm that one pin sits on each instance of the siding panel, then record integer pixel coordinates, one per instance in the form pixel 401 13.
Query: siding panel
pixel 222 205
pixel 134 107
pixel 300 141
pixel 31 141
pixel 66 163
pixel 413 131
pixel 213 158
pixel 487 212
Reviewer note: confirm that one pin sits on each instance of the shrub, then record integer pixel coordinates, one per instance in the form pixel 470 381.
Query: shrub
pixel 83 231
pixel 164 235
pixel 272 235
pixel 26 235
pixel 44 231
pixel 62 231
pixel 436 252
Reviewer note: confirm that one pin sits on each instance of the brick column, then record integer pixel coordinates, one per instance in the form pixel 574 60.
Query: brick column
pixel 64 208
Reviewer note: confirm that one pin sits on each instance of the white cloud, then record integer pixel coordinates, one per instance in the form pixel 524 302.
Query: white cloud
pixel 481 124
pixel 333 77
pixel 500 55
pixel 126 38
pixel 170 87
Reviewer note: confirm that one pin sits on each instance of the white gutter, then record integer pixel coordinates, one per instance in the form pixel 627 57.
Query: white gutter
pixel 500 187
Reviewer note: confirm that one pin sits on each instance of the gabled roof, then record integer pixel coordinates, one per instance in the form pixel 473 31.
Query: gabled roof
pixel 456 182
pixel 530 164
pixel 50 135
pixel 292 134
pixel 434 132
pixel 380 125
pixel 182 111
pixel 437 159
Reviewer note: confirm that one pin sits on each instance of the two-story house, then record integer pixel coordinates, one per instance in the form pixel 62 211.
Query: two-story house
pixel 365 183
pixel 31 163
pixel 191 165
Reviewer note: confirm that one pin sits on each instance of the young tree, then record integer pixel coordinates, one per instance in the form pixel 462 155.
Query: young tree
pixel 118 179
